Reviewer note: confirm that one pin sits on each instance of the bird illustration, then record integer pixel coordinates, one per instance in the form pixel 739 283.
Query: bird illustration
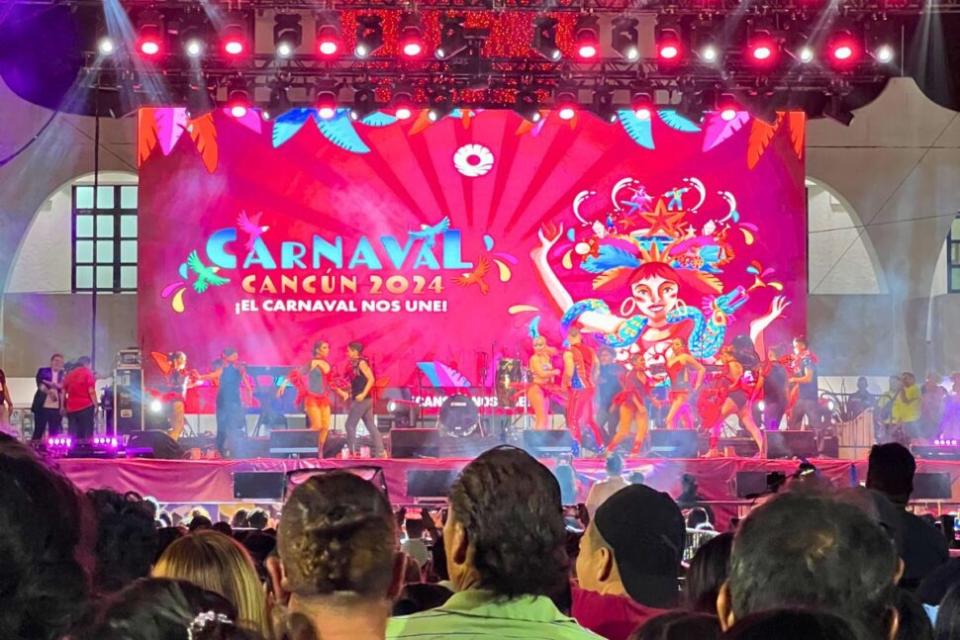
pixel 429 233
pixel 206 276
pixel 476 276
pixel 250 225
pixel 759 277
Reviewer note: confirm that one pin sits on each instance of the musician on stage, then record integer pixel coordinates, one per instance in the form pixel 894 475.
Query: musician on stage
pixel 542 375
pixel 803 385
pixel 580 366
pixel 360 401
pixel 681 366
pixel 313 392
pixel 230 376
pixel 177 381
pixel 631 404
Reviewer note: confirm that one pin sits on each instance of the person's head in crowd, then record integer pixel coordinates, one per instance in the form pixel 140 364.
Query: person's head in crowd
pixel 637 477
pixel 805 549
pixel 164 519
pixel 791 624
pixel 219 564
pixel 223 527
pixel 862 384
pixel 633 547
pixel 165 537
pixel 948 616
pixel 679 625
pixel 126 539
pixel 56 361
pixel 239 519
pixel 697 517
pixel 688 493
pixel 260 545
pixel 707 573
pixel 614 465
pixel 908 379
pixel 420 597
pixel 891 470
pixel 414 528
pixel 258 519
pixel 339 562
pixel 504 531
pixel 199 522
pixel 46 538
pixel 162 609
pixel 913 623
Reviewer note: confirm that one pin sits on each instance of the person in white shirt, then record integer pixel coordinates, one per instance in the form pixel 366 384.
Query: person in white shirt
pixel 603 489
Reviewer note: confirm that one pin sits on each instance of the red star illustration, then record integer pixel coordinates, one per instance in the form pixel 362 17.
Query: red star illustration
pixel 661 219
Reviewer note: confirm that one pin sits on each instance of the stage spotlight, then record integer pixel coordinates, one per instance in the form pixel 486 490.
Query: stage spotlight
pixel 106 46
pixel 150 33
pixel 326 101
pixel 194 35
pixel 624 38
pixel 235 34
pixel 279 101
pixel 806 54
pixel 328 33
pixel 669 44
pixel 453 40
pixel 369 36
pixel 709 53
pixel 545 38
pixel 364 103
pixel 884 54
pixel 642 105
pixel 691 106
pixel 287 34
pixel 156 406
pixel 411 35
pixel 527 104
pixel 727 107
pixel 602 105
pixel 402 103
pixel 193 47
pixel 835 109
pixel 843 50
pixel 565 103
pixel 763 50
pixel 586 37
pixel 441 104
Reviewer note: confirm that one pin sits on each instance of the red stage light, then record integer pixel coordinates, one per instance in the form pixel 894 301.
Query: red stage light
pixel 234 46
pixel 328 47
pixel 411 35
pixel 586 37
pixel 149 46
pixel 728 114
pixel 587 51
pixel 642 105
pixel 763 50
pixel 328 42
pixel 413 47
pixel 326 103
pixel 567 112
pixel 668 51
pixel 238 110
pixel 403 112
pixel 844 50
pixel 727 107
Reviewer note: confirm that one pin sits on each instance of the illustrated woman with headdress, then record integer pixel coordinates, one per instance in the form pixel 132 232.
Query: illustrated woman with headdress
pixel 542 375
pixel 313 391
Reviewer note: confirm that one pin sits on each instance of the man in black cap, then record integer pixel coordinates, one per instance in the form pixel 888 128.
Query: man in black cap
pixel 629 561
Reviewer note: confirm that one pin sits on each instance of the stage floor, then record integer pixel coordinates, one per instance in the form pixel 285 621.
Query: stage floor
pixel 211 481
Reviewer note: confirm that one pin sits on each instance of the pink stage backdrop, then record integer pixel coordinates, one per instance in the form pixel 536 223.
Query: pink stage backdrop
pixel 440 242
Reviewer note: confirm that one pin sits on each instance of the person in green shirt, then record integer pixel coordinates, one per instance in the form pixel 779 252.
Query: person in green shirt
pixel 504 539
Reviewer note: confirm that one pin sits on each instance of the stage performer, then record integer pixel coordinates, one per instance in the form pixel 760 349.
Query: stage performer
pixel 542 375
pixel 681 366
pixel 47 404
pixel 177 381
pixel 579 381
pixel 313 392
pixel 741 391
pixel 775 390
pixel 804 401
pixel 609 384
pixel 631 404
pixel 360 401
pixel 229 376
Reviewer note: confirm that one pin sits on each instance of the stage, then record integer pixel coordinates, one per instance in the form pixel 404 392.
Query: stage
pixel 210 482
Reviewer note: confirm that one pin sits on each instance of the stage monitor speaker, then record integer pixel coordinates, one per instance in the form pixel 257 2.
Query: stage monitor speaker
pixel 791 444
pixel 252 448
pixel 750 484
pixel 127 400
pixel 415 443
pixel 286 443
pixel 259 485
pixel 163 446
pixel 430 484
pixel 830 447
pixel 932 486
pixel 549 442
pixel 673 443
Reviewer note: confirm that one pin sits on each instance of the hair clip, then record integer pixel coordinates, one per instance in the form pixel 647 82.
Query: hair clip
pixel 203 618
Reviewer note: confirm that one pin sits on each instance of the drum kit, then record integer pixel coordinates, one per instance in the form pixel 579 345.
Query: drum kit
pixel 460 417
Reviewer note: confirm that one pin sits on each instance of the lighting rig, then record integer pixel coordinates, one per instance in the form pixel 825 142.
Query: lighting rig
pixel 597 56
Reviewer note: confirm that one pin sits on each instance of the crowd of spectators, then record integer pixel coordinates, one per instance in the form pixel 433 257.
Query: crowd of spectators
pixel 811 562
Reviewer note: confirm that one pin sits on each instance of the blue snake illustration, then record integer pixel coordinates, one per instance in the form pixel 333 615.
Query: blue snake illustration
pixel 705 339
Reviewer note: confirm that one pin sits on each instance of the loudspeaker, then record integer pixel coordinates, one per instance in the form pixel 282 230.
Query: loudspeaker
pixel 162 445
pixel 415 443
pixel 430 484
pixel 830 447
pixel 128 400
pixel 791 444
pixel 750 484
pixel 673 443
pixel 550 442
pixel 932 486
pixel 259 485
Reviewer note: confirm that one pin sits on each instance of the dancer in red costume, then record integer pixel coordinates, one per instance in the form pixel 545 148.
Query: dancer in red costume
pixel 631 403
pixel 542 386
pixel 738 392
pixel 580 365
pixel 686 376
pixel 313 392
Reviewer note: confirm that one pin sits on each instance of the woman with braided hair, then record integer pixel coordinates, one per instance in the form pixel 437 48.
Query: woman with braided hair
pixel 340 566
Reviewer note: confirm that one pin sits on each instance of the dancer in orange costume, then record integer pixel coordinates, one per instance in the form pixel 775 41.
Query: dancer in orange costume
pixel 542 374
pixel 632 404
pixel 738 401
pixel 580 365
pixel 680 364
pixel 313 390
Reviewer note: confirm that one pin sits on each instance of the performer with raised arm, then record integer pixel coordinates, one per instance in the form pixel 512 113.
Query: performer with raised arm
pixel 313 392
pixel 542 376
pixel 229 376
pixel 741 391
pixel 360 401
pixel 632 406
pixel 680 365
pixel 580 366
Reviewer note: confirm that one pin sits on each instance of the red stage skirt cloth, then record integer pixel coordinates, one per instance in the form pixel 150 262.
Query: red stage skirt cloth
pixel 211 481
